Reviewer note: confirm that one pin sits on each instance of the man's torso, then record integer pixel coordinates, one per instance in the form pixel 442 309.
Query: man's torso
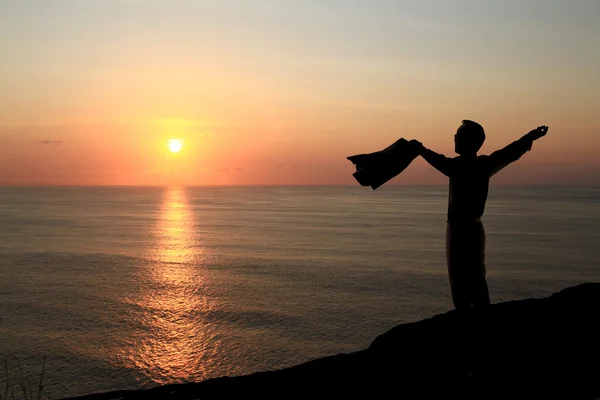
pixel 469 184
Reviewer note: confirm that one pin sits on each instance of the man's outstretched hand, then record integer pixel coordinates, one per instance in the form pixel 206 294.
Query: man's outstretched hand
pixel 418 145
pixel 538 132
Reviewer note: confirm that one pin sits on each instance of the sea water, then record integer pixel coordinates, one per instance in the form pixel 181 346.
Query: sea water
pixel 129 287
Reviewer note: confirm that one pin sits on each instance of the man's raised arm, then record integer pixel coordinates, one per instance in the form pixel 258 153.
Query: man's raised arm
pixel 511 153
pixel 437 161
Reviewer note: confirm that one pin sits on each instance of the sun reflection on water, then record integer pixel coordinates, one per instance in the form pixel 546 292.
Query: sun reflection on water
pixel 175 342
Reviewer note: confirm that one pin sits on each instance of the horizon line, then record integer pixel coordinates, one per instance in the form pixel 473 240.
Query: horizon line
pixel 574 185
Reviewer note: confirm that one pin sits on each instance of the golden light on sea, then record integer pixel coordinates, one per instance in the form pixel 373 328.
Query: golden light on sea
pixel 176 341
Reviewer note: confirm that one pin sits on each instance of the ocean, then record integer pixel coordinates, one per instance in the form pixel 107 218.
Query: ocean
pixel 132 287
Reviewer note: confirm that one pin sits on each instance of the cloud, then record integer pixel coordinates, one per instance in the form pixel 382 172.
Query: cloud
pixel 237 169
pixel 176 169
pixel 52 142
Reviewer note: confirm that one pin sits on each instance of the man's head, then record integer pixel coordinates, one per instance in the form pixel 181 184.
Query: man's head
pixel 469 138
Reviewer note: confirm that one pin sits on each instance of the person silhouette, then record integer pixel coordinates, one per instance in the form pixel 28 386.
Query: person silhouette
pixel 469 183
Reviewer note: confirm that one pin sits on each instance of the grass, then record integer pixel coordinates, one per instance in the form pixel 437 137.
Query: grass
pixel 27 392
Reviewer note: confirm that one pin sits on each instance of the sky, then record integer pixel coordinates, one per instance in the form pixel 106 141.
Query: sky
pixel 282 91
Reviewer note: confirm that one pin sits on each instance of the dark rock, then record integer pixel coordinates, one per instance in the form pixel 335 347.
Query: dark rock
pixel 530 349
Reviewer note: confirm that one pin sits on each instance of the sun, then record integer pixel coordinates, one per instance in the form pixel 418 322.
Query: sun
pixel 175 145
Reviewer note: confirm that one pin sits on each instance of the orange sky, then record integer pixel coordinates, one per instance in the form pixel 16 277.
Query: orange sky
pixel 267 92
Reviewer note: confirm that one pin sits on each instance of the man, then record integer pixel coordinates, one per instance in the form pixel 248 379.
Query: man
pixel 469 182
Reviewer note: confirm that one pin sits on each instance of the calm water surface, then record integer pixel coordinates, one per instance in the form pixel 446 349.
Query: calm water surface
pixel 124 288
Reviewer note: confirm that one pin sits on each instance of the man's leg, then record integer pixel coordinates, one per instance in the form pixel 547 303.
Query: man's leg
pixel 459 281
pixel 480 292
pixel 481 295
pixel 459 287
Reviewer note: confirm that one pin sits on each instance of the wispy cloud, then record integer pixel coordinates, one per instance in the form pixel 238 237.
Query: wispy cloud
pixel 52 142
pixel 227 169
pixel 206 135
pixel 180 168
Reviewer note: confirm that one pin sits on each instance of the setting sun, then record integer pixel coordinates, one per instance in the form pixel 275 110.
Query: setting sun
pixel 175 145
